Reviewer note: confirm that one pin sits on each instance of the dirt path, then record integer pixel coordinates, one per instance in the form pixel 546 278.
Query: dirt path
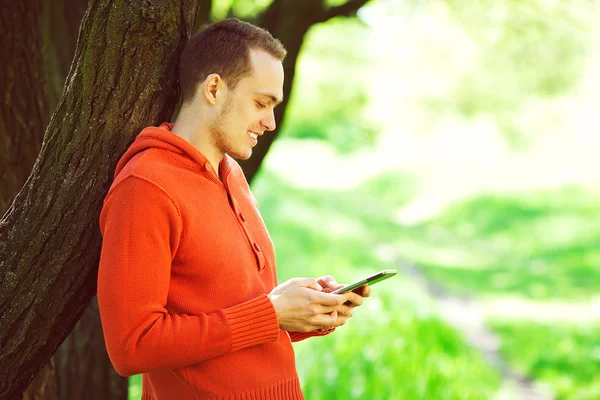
pixel 468 317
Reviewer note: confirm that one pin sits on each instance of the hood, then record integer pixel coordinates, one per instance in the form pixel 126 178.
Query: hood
pixel 160 137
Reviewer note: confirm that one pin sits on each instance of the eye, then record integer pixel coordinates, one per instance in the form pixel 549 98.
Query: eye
pixel 260 105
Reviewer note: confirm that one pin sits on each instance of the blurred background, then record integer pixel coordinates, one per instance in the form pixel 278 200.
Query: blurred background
pixel 457 142
pixel 454 141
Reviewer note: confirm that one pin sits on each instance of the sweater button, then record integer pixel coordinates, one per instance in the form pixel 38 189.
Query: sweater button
pixel 207 166
pixel 242 216
pixel 256 247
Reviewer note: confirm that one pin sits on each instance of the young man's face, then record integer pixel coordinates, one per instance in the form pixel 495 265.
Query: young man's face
pixel 248 109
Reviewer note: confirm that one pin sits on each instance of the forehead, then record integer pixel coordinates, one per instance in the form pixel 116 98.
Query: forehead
pixel 267 74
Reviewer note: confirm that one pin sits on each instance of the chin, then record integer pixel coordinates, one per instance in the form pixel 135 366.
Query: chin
pixel 241 155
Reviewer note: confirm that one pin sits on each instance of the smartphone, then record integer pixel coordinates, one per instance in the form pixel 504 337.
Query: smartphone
pixel 378 277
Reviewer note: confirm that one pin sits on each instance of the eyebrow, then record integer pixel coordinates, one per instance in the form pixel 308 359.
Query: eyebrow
pixel 273 98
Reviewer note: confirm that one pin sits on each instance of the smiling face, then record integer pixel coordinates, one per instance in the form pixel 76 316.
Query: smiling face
pixel 248 110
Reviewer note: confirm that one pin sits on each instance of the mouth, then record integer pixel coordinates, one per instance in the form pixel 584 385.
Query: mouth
pixel 254 136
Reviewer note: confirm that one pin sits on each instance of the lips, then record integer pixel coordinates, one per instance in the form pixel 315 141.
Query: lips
pixel 253 135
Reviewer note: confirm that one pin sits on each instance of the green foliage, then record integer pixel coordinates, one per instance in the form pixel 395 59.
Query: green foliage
pixel 333 3
pixel 564 357
pixel 387 351
pixel 514 52
pixel 393 347
pixel 332 231
pixel 243 9
pixel 539 244
pixel 329 99
pixel 538 45
pixel 135 388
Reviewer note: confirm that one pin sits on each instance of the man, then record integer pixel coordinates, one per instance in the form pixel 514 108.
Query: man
pixel 187 284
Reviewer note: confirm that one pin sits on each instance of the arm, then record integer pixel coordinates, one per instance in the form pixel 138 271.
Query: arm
pixel 141 227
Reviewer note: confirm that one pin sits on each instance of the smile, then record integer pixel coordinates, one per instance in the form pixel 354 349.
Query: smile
pixel 253 135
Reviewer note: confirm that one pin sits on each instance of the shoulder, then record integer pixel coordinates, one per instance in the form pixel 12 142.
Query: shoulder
pixel 153 166
pixel 146 175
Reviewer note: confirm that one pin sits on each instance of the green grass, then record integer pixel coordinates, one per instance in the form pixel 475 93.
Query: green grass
pixel 135 387
pixel 318 232
pixel 538 245
pixel 564 357
pixel 388 350
pixel 394 346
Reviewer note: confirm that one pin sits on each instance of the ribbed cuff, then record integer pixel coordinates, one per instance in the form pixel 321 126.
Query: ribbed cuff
pixel 252 322
pixel 298 336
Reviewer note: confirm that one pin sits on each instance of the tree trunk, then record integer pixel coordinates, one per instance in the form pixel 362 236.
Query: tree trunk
pixel 83 370
pixel 23 103
pixel 81 361
pixel 60 27
pixel 49 240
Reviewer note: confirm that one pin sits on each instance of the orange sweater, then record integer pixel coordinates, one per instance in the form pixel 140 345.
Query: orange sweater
pixel 185 267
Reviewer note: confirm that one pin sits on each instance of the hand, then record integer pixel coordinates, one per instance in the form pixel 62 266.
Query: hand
pixel 302 307
pixel 329 284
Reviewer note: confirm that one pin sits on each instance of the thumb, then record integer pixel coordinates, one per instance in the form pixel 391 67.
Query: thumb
pixel 310 283
pixel 328 280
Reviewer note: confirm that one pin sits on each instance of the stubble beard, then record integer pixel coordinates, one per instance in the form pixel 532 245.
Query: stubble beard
pixel 221 139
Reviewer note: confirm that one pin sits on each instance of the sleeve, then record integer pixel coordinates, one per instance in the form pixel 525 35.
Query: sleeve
pixel 299 336
pixel 141 227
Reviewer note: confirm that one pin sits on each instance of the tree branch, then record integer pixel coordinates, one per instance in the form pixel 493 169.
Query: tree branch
pixel 202 15
pixel 348 9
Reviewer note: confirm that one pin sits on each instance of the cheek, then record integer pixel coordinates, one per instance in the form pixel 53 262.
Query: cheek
pixel 243 117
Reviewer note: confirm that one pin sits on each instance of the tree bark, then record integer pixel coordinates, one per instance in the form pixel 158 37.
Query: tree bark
pixel 49 240
pixel 23 104
pixel 83 369
pixel 203 16
pixel 60 27
pixel 67 373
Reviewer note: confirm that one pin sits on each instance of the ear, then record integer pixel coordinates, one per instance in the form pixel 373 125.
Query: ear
pixel 213 88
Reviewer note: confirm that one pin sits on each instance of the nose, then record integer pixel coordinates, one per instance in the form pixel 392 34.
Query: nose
pixel 269 121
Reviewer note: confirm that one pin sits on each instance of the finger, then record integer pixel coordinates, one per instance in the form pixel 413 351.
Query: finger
pixel 345 311
pixel 310 283
pixel 330 280
pixel 359 291
pixel 329 299
pixel 366 291
pixel 321 309
pixel 332 288
pixel 329 323
pixel 355 299
pixel 325 321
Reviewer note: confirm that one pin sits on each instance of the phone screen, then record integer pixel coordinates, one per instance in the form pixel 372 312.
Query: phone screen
pixel 378 277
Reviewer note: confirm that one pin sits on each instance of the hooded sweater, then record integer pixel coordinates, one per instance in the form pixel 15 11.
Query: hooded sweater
pixel 185 269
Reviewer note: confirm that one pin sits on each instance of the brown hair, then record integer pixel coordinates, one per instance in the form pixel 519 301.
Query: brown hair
pixel 223 48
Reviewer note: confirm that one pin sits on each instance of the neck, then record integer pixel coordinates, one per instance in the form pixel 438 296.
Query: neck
pixel 190 127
